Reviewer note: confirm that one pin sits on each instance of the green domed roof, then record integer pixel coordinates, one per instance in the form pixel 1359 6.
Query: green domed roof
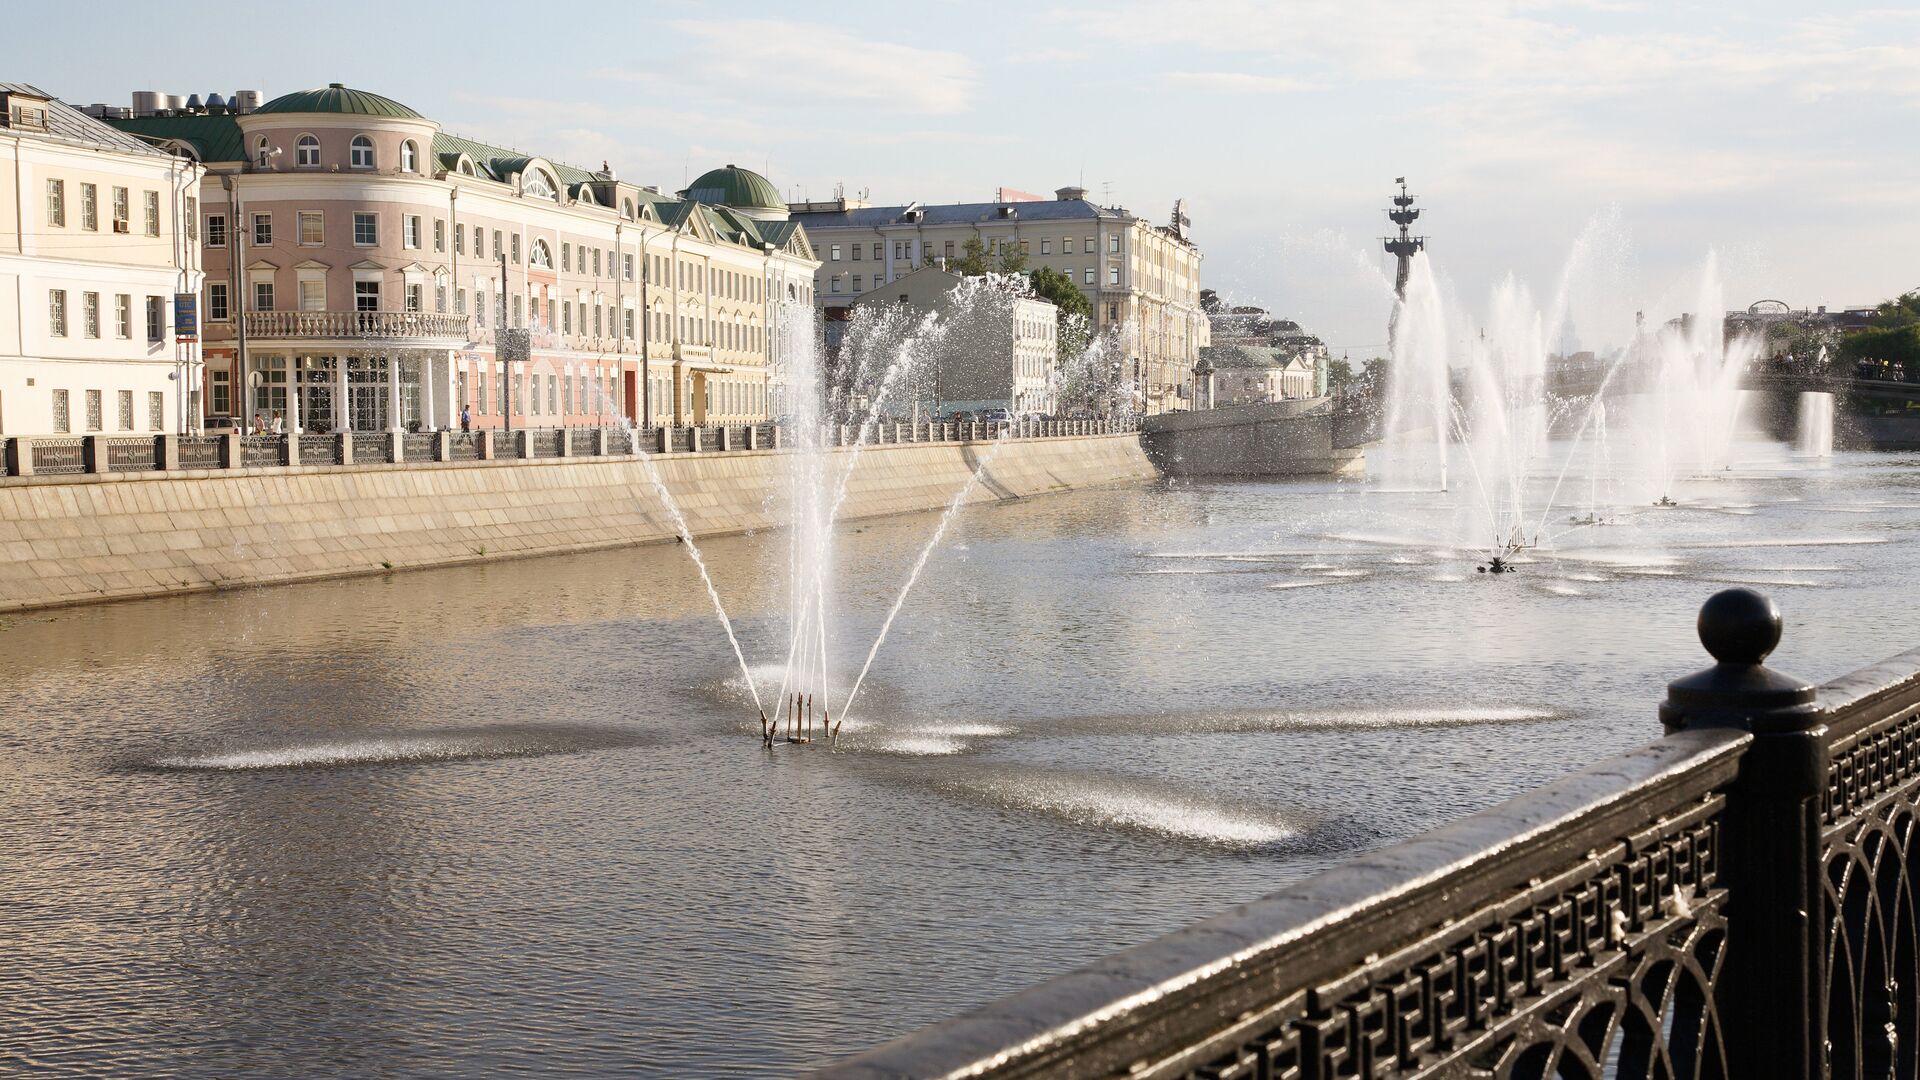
pixel 336 98
pixel 737 187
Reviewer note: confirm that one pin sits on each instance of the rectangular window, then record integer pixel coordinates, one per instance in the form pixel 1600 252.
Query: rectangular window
pixel 220 393
pixel 946 249
pixel 876 251
pixel 217 301
pixel 157 405
pixel 90 312
pixel 90 207
pixel 626 266
pixel 566 389
pixel 313 294
pixel 1025 247
pixel 1086 276
pixel 1046 247
pixel 566 257
pixel 125 401
pixel 366 296
pixel 1113 274
pixel 153 218
pixel 553 394
pixel 479 243
pixel 415 295
pixel 263 230
pixel 439 235
pixel 312 228
pixel 96 418
pixel 57 203
pixel 459 240
pixel 263 296
pixel 856 283
pixel 516 248
pixel 459 299
pixel 596 262
pixel 834 252
pixel 123 316
pixel 62 415
pixel 519 313
pixel 519 392
pixel 57 312
pixel 410 231
pixel 120 216
pixel 856 252
pixel 216 230
pixel 498 245
pixel 1066 246
pixel 629 321
pixel 440 296
pixel 596 320
pixel 836 284
pixel 156 318
pixel 366 229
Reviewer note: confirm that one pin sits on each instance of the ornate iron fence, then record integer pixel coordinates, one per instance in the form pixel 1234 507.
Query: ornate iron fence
pixel 57 457
pixel 262 451
pixel 544 443
pixel 466 446
pixel 1644 917
pixel 417 445
pixel 133 455
pixel 200 451
pixel 319 449
pixel 372 447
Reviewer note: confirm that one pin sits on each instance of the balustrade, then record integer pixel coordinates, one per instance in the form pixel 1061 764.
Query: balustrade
pixel 356 325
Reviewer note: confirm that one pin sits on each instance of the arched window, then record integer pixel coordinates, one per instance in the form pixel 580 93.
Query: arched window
pixel 626 209
pixel 362 152
pixel 466 167
pixel 538 184
pixel 541 255
pixel 306 152
pixel 260 154
pixel 409 157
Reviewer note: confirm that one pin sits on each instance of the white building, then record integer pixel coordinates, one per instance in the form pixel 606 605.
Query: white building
pixel 999 352
pixel 98 233
pixel 1251 374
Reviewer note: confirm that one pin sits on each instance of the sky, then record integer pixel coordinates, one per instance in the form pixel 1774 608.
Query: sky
pixel 1777 140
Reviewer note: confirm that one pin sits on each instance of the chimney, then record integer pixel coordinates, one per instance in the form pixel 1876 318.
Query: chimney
pixel 1070 194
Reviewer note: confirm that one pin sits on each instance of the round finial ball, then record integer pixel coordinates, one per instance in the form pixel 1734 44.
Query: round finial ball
pixel 1739 626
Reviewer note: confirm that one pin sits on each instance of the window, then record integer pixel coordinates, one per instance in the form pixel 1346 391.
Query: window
pixel 312 227
pixel 260 155
pixel 220 392
pixel 126 409
pixel 156 318
pixel 519 312
pixel 90 312
pixel 216 230
pixel 566 317
pixel 459 239
pixel 538 184
pixel 1113 273
pixel 629 322
pixel 459 299
pixel 514 244
pixel 123 316
pixel 439 235
pixel 409 157
pixel 856 252
pixel 217 301
pixel 876 251
pixel 479 243
pixel 1086 276
pixel 89 207
pixel 1046 247
pixel 306 152
pixel 95 417
pixel 566 389
pixel 553 394
pixel 157 407
pixel 566 257
pixel 498 245
pixel 627 266
pixel 263 230
pixel 596 262
pixel 366 228
pixel 120 215
pixel 1066 246
pixel 62 416
pixel 596 320
pixel 57 202
pixel 362 157
pixel 415 295
pixel 263 296
pixel 836 283
pixel 193 218
pixel 410 230
pixel 153 213
pixel 856 283
pixel 57 312
pixel 313 294
pixel 834 252
pixel 440 295
pixel 366 296
pixel 1113 243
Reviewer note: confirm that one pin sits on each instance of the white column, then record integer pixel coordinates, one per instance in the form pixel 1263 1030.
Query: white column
pixel 393 391
pixel 343 396
pixel 430 413
pixel 296 412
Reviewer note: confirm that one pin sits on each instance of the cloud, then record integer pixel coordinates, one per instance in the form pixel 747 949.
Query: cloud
pixel 796 66
pixel 1236 82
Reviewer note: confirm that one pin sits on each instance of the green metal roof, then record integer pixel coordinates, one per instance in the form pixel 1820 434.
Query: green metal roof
pixel 499 162
pixel 336 98
pixel 1243 356
pixel 735 186
pixel 213 138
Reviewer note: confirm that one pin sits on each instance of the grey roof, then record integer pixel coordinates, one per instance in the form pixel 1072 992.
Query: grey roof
pixel 958 214
pixel 69 125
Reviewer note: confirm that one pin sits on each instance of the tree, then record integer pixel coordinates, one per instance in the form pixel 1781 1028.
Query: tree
pixel 974 260
pixel 1893 334
pixel 1339 373
pixel 1209 301
pixel 1052 285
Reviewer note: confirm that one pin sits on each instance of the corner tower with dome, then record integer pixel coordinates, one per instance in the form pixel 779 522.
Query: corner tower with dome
pixel 361 262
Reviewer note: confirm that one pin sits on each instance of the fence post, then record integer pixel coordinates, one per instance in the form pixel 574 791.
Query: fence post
pixel 1775 981
pixel 566 442
pixel 230 450
pixel 663 440
pixel 93 453
pixel 19 457
pixel 487 449
pixel 773 438
pixel 343 447
pixel 694 443
pixel 599 442
pixel 443 445
pixel 290 449
pixel 726 438
pixel 166 453
pixel 753 436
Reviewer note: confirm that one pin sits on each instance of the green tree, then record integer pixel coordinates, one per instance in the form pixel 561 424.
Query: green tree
pixel 1053 286
pixel 1339 373
pixel 973 258
pixel 1893 336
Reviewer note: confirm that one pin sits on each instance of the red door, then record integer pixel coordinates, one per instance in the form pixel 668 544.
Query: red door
pixel 633 394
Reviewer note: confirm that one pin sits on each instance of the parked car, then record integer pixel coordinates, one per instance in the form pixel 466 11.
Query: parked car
pixel 221 425
pixel 994 416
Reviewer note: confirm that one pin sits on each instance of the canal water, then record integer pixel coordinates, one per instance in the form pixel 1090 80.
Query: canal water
pixel 516 818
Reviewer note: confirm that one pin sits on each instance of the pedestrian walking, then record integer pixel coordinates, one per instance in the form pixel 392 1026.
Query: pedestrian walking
pixel 466 419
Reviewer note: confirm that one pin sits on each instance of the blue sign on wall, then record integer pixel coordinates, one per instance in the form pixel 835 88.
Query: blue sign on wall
pixel 186 317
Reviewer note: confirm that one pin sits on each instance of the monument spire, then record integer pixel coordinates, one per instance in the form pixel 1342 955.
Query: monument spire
pixel 1403 246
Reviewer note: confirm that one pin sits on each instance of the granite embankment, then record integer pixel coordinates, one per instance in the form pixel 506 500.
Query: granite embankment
pixel 74 539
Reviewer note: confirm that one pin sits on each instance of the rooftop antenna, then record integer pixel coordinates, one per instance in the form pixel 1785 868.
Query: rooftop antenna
pixel 1106 192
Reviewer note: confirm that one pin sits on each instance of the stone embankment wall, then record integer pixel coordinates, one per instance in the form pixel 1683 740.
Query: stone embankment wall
pixel 74 539
pixel 1280 438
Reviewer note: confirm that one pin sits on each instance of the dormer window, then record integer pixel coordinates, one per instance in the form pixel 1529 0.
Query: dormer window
pixel 409 157
pixel 25 112
pixel 362 152
pixel 306 152
pixel 261 156
pixel 538 184
pixel 466 167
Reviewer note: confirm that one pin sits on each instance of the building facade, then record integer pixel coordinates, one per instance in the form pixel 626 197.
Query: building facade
pixel 1251 374
pixel 368 271
pixel 1000 351
pixel 1142 279
pixel 97 239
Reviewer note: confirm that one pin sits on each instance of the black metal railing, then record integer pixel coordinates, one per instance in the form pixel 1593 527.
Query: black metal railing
pixel 70 455
pixel 1644 917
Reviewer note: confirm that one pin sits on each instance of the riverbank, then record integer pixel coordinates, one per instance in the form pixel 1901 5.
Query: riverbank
pixel 109 536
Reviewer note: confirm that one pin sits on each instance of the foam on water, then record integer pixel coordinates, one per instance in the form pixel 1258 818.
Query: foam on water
pixel 341 752
pixel 1125 803
pixel 1302 584
pixel 920 745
